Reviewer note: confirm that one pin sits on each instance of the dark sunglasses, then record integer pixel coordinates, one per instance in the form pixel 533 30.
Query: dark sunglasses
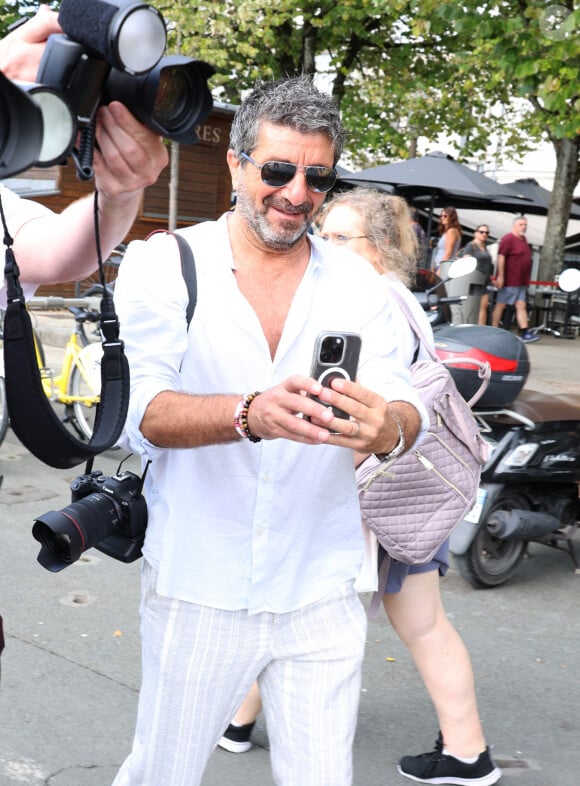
pixel 483 231
pixel 277 174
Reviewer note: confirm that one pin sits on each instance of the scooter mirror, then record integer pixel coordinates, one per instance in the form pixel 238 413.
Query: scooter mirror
pixel 569 280
pixel 462 266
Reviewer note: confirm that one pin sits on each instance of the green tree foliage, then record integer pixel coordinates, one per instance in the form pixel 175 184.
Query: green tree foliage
pixel 413 67
pixel 530 50
pixel 393 68
pixel 406 68
pixel 12 10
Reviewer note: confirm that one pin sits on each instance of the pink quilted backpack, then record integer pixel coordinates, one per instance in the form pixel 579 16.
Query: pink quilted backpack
pixel 413 502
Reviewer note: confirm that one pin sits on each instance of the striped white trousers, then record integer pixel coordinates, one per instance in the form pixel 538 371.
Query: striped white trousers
pixel 199 663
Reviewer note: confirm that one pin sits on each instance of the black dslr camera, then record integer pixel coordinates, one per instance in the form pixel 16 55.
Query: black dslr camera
pixel 107 513
pixel 110 50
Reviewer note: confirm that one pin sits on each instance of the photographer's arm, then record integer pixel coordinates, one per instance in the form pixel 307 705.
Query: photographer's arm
pixel 53 248
pixel 62 247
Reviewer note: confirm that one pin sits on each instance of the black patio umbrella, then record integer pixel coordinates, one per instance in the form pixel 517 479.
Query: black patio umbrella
pixel 437 180
pixel 532 190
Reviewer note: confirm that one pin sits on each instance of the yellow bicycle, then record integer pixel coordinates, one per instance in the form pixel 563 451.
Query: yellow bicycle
pixel 75 390
pixel 77 386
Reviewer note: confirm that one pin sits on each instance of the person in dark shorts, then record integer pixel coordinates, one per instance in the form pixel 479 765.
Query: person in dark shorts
pixel 514 269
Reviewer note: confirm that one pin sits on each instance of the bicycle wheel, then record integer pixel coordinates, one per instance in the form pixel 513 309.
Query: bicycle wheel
pixel 85 386
pixel 3 411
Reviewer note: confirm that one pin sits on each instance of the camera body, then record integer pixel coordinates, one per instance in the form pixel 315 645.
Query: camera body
pixel 107 513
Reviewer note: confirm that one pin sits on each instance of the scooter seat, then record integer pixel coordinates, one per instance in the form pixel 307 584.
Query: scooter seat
pixel 537 407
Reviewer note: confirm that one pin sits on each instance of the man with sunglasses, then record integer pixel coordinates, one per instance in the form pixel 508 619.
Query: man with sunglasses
pixel 254 540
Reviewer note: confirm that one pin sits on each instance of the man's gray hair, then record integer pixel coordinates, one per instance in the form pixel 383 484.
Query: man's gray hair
pixel 295 103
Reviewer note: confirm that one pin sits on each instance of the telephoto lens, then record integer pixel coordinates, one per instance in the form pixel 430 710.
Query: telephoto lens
pixel 172 99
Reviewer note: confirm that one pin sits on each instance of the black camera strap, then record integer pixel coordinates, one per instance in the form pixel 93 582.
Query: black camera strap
pixel 32 417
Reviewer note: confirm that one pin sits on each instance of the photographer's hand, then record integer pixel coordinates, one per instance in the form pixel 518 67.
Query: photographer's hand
pixel 129 156
pixel 21 50
pixel 62 247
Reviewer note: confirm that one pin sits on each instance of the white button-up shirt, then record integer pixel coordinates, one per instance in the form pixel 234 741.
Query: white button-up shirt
pixel 271 526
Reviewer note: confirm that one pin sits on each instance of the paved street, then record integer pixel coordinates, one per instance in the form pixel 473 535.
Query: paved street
pixel 70 672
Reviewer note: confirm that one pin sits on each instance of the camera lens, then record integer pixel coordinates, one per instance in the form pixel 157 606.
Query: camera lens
pixel 21 129
pixel 67 533
pixel 171 99
pixel 182 99
pixel 332 350
pixel 173 96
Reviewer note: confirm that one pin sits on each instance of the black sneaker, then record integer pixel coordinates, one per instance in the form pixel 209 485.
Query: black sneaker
pixel 437 767
pixel 236 739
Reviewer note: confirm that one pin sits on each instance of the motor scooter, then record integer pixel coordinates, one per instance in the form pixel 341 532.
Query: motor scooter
pixel 529 491
pixel 430 292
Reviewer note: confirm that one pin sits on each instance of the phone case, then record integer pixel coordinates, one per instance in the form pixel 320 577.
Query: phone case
pixel 326 365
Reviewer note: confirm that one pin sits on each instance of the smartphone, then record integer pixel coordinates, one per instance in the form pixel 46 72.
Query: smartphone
pixel 335 355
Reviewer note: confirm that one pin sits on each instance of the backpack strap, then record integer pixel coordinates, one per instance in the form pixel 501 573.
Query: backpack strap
pixel 410 317
pixel 187 270
pixel 484 368
pixel 189 274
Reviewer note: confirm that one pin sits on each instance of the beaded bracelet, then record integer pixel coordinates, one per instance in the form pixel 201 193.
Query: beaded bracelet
pixel 241 417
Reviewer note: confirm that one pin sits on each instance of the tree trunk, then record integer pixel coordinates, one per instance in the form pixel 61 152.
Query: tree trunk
pixel 309 48
pixel 565 181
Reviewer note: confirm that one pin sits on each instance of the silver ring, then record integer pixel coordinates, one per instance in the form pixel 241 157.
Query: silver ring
pixel 357 424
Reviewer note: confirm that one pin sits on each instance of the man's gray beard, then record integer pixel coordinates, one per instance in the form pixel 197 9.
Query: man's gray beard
pixel 278 240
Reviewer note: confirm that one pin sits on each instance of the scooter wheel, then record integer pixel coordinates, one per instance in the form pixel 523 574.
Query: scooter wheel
pixel 489 561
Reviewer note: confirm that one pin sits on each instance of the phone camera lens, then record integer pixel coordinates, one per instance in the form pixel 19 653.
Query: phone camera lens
pixel 332 350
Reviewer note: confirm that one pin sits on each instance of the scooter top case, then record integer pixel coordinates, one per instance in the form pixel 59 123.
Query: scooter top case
pixel 506 353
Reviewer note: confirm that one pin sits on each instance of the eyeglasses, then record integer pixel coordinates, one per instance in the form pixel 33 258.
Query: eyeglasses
pixel 341 240
pixel 277 174
pixel 483 231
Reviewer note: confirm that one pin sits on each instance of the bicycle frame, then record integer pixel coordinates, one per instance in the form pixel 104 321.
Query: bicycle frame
pixel 56 388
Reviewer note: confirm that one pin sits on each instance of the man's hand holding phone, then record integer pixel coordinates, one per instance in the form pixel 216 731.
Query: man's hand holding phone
pixel 336 356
